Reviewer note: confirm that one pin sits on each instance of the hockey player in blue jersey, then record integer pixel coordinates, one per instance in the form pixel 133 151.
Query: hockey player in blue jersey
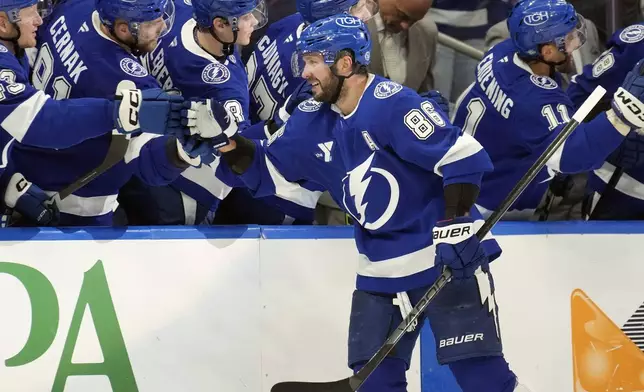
pixel 94 61
pixel 516 107
pixel 35 119
pixel 624 168
pixel 199 58
pixel 409 178
pixel 272 67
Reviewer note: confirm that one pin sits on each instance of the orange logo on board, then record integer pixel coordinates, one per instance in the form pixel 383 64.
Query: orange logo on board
pixel 604 358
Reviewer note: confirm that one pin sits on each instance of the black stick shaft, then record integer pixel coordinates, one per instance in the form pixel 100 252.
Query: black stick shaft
pixel 358 379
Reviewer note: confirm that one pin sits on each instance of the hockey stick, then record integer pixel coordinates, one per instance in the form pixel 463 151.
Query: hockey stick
pixel 354 382
pixel 604 200
pixel 115 153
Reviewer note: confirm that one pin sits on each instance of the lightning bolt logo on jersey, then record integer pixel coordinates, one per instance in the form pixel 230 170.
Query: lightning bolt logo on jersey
pixel 390 160
pixel 357 196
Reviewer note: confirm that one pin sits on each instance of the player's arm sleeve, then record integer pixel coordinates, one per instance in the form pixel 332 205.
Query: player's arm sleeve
pixel 271 167
pixel 585 149
pixel 208 184
pixel 154 159
pixel 608 71
pixel 33 118
pixel 421 134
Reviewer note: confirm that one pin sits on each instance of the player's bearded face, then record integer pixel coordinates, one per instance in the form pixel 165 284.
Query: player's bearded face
pixel 149 33
pixel 323 82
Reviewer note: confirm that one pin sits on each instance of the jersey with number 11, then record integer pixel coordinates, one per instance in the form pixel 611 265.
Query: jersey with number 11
pixel 516 114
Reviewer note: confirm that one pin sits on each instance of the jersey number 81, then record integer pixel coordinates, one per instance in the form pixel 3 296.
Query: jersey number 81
pixel 43 70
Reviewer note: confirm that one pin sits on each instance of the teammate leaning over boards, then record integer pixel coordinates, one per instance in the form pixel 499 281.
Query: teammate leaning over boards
pixel 400 169
pixel 272 67
pixel 33 118
pixel 200 57
pixel 85 50
pixel 624 200
pixel 516 107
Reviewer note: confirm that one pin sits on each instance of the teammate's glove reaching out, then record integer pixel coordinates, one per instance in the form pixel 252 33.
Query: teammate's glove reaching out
pixel 209 126
pixel 150 111
pixel 457 247
pixel 436 97
pixel 30 201
pixel 627 100
pixel 301 93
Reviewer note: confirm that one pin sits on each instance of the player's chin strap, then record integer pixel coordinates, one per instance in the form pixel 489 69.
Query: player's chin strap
pixel 228 47
pixel 553 65
pixel 134 30
pixel 14 41
pixel 338 90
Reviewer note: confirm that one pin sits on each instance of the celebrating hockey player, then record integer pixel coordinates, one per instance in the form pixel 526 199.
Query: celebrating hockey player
pixel 272 67
pixel 516 106
pixel 33 118
pixel 618 182
pixel 400 169
pixel 88 53
pixel 199 58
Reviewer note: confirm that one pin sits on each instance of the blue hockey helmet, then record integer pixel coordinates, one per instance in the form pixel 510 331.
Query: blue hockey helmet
pixel 205 11
pixel 331 35
pixel 535 22
pixel 136 12
pixel 312 10
pixel 13 7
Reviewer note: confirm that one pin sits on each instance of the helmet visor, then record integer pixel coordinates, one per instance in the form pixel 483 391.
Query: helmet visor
pixel 577 37
pixel 44 7
pixel 311 60
pixel 155 29
pixel 258 17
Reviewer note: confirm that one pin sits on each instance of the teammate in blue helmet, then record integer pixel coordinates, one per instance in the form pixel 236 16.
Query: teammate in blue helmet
pixel 326 42
pixel 229 22
pixel 547 32
pixel 39 117
pixel 314 10
pixel 19 21
pixel 272 68
pixel 516 107
pixel 137 24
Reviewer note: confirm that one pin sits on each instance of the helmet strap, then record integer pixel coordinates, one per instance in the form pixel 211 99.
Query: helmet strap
pixel 552 64
pixel 134 30
pixel 341 79
pixel 228 47
pixel 14 41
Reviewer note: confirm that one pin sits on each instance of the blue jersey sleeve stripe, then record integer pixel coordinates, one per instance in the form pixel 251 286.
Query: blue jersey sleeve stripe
pixel 18 122
pixel 464 147
pixel 291 191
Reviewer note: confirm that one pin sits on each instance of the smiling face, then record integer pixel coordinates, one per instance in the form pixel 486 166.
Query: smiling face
pixel 399 15
pixel 324 83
